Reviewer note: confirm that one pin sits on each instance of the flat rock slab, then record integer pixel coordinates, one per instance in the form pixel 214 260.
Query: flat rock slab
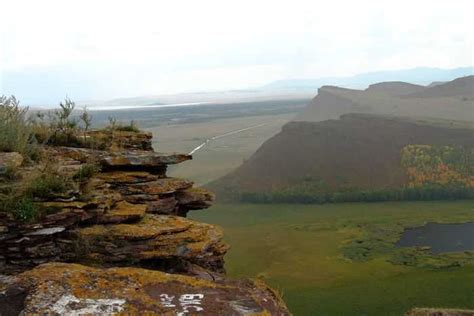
pixel 122 160
pixel 195 198
pixel 123 212
pixel 72 289
pixel 157 240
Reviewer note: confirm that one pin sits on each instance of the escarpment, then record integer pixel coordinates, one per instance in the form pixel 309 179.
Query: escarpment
pixel 108 241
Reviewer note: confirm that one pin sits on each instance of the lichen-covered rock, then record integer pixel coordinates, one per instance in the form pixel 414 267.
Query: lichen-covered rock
pixel 72 289
pixel 156 240
pixel 195 198
pixel 137 160
pixel 123 212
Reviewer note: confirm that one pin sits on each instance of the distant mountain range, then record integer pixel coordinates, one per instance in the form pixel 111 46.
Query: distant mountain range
pixel 452 100
pixel 46 86
pixel 420 76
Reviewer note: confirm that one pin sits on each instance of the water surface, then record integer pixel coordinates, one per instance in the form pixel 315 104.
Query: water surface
pixel 440 237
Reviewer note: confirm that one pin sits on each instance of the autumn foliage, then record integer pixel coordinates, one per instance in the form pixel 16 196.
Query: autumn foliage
pixel 444 166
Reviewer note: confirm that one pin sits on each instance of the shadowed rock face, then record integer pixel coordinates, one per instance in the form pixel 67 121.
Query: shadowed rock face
pixel 58 289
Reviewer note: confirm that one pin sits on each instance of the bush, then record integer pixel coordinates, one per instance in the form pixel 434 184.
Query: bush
pixel 16 134
pixel 85 172
pixel 25 210
pixel 114 126
pixel 46 185
pixel 20 206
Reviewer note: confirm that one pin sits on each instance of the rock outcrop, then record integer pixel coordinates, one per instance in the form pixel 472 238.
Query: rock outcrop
pixel 65 289
pixel 129 218
pixel 108 220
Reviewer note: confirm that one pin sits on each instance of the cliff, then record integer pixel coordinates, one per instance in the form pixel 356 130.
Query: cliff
pixel 452 100
pixel 118 232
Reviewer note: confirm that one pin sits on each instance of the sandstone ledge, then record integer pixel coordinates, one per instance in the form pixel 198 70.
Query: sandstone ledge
pixel 58 289
pixel 168 242
pixel 122 160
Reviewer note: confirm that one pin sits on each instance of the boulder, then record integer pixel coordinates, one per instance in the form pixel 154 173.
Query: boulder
pixel 195 198
pixel 167 242
pixel 72 289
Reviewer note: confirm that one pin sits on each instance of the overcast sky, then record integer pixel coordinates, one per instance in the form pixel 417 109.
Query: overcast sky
pixel 125 48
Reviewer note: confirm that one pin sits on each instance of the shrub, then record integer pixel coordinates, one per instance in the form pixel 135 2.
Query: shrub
pixel 46 185
pixel 19 205
pixel 64 128
pixel 16 134
pixel 85 172
pixel 114 126
pixel 25 210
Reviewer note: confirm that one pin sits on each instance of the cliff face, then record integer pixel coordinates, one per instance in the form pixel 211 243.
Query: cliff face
pixel 452 101
pixel 130 214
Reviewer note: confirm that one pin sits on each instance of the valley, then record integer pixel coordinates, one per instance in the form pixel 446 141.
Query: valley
pixel 331 259
pixel 183 128
pixel 304 250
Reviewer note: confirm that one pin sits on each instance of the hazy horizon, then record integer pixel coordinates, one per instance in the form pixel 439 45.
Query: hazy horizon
pixel 54 49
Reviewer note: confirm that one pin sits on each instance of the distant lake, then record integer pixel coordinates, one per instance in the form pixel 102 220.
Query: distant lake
pixel 440 237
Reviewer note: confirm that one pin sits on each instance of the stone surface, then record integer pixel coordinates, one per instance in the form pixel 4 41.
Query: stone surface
pixel 195 198
pixel 156 240
pixel 123 212
pixel 127 214
pixel 72 289
pixel 123 160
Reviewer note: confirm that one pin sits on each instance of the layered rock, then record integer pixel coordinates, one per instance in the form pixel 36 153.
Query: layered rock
pixel 77 225
pixel 130 216
pixel 170 243
pixel 60 289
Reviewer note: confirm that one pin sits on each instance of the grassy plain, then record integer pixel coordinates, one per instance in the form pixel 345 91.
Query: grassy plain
pixel 182 128
pixel 298 249
pixel 219 156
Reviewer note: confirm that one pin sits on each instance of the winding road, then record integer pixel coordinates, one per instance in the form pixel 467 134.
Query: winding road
pixel 207 141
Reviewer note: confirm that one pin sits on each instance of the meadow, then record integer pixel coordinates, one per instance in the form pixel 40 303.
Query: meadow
pixel 304 252
pixel 182 128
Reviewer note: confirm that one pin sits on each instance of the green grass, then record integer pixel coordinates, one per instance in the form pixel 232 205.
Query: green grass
pixel 298 249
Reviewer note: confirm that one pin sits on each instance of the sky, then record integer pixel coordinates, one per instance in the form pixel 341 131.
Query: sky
pixel 107 49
